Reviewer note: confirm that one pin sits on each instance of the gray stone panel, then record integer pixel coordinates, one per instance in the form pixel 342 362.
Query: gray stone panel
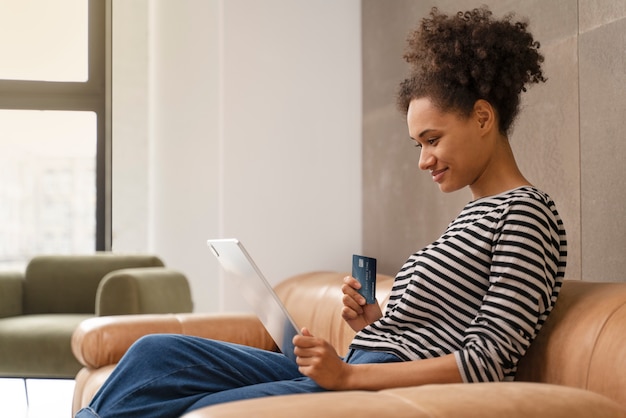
pixel 603 147
pixel 546 140
pixel 596 13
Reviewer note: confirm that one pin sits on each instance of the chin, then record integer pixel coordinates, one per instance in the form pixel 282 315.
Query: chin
pixel 446 188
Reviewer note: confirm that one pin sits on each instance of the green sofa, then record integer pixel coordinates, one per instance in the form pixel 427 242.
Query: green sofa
pixel 41 308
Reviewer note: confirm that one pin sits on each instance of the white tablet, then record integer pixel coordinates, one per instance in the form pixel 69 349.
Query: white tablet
pixel 257 291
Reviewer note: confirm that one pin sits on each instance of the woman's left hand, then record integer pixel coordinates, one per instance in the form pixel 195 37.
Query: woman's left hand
pixel 318 360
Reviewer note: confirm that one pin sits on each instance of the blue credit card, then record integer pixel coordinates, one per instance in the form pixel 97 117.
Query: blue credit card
pixel 364 270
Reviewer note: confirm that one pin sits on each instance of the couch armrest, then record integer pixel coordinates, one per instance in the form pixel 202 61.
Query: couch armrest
pixel 101 341
pixel 11 294
pixel 143 290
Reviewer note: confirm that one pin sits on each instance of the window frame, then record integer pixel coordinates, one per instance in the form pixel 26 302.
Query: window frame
pixel 92 95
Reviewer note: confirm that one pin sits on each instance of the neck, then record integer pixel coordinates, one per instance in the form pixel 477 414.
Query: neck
pixel 502 173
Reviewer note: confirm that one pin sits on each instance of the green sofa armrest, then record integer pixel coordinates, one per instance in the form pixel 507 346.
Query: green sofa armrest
pixel 142 291
pixel 11 294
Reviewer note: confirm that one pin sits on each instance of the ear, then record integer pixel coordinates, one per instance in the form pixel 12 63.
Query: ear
pixel 484 115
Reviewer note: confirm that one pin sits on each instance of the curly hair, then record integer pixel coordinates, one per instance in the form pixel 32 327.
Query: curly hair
pixel 457 60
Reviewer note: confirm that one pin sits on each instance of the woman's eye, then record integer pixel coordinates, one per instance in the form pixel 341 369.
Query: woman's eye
pixel 429 141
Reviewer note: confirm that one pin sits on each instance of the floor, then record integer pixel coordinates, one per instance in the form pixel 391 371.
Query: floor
pixel 47 398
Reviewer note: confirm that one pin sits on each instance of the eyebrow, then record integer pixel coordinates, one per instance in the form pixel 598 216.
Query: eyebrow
pixel 424 132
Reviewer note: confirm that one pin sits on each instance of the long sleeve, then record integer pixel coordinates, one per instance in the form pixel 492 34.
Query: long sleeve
pixel 524 282
pixel 481 291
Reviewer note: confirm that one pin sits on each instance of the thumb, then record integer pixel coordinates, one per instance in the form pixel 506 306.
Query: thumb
pixel 305 331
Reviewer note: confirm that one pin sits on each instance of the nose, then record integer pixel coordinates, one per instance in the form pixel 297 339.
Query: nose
pixel 427 159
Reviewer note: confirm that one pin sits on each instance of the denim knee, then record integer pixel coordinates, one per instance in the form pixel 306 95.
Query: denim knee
pixel 154 348
pixel 86 412
pixel 154 342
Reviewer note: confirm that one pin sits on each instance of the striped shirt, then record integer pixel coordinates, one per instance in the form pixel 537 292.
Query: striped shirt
pixel 482 291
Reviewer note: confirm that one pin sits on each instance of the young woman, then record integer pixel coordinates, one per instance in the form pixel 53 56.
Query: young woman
pixel 463 309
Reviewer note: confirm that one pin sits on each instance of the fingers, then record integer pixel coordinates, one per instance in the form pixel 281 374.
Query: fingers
pixel 354 304
pixel 306 340
pixel 350 282
pixel 349 314
pixel 307 347
pixel 351 297
pixel 352 300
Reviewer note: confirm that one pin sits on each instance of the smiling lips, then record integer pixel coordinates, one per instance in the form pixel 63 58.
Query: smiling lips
pixel 438 174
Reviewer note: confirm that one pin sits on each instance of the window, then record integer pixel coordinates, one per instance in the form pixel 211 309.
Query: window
pixel 54 159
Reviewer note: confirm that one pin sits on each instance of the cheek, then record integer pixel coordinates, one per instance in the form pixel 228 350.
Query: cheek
pixel 468 149
pixel 464 159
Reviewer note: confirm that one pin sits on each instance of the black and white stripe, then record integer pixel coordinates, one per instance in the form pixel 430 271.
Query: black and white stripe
pixel 482 291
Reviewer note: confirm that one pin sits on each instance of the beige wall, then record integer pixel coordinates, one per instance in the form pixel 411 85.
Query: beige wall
pixel 237 118
pixel 568 139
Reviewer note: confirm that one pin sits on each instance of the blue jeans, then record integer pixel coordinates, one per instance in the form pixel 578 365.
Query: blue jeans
pixel 167 375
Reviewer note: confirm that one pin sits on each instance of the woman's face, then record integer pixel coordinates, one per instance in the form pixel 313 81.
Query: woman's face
pixel 452 147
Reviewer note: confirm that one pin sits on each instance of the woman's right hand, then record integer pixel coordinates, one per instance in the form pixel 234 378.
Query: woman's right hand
pixel 356 312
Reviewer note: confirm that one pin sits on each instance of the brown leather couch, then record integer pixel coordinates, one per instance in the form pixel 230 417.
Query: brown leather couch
pixel 575 368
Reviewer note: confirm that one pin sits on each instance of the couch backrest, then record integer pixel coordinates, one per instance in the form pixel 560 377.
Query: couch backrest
pixel 583 343
pixel 68 283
